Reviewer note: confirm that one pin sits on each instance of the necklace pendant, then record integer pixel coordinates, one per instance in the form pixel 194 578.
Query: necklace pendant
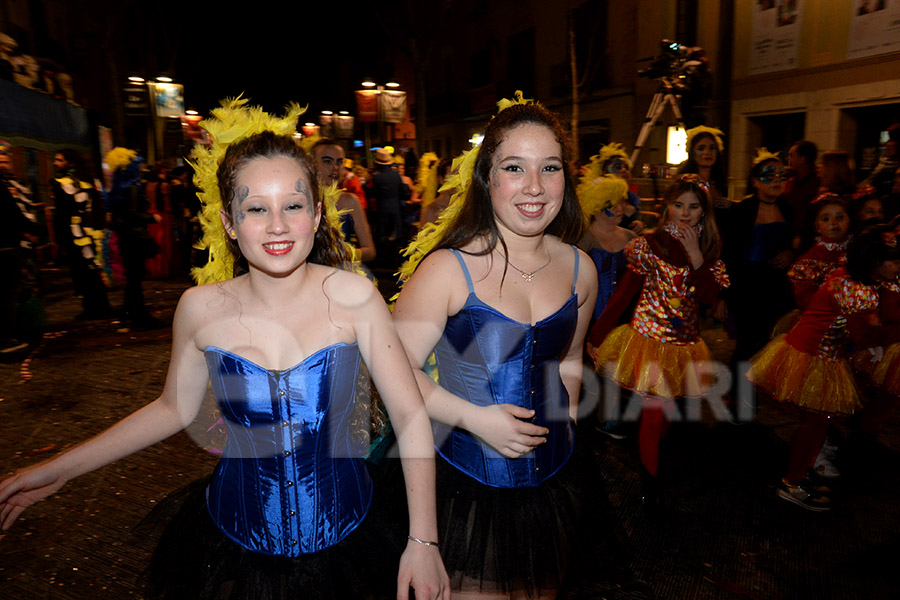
pixel 528 277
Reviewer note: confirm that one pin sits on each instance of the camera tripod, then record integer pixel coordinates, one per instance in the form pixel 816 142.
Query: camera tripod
pixel 664 96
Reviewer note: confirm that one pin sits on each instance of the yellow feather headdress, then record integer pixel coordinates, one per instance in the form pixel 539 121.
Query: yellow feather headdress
pixel 230 123
pixel 599 193
pixel 308 142
pixel 427 178
pixel 763 154
pixel 460 178
pixel 717 135
pixel 119 157
pixel 610 151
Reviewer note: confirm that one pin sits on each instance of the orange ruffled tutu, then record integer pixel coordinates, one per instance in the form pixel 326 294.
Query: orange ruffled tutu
pixel 649 367
pixel 806 380
pixel 884 373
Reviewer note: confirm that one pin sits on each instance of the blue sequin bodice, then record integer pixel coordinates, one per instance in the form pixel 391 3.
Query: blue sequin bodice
pixel 487 358
pixel 290 481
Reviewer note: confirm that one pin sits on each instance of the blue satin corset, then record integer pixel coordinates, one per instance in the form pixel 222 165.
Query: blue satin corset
pixel 487 358
pixel 290 481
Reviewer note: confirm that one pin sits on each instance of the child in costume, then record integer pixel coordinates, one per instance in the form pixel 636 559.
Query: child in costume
pixel 288 511
pixel 500 296
pixel 808 366
pixel 829 250
pixel 660 354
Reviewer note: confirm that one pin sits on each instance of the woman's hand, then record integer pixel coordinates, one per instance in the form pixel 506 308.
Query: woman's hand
pixel 691 242
pixel 503 428
pixel 422 569
pixel 25 487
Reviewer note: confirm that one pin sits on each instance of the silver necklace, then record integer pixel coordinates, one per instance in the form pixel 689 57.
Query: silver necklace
pixel 529 277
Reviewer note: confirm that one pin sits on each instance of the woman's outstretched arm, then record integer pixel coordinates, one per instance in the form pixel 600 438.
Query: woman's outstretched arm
pixel 174 410
pixel 421 566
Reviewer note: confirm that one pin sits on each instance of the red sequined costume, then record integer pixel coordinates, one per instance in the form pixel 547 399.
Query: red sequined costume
pixel 810 271
pixel 885 373
pixel 807 275
pixel 808 366
pixel 660 352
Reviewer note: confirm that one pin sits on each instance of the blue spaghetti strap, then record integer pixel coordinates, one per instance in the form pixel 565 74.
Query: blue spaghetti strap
pixel 575 277
pixel 465 269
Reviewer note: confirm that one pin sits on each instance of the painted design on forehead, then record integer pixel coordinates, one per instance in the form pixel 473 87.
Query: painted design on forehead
pixel 240 195
pixel 302 188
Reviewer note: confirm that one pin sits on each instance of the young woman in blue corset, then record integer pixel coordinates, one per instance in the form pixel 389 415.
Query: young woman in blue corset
pixel 290 509
pixel 503 300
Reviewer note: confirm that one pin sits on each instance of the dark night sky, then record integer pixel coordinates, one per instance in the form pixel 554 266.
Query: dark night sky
pixel 308 54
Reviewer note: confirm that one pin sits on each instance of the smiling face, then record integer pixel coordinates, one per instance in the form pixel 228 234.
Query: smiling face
pixel 329 161
pixel 705 151
pixel 527 180
pixel 687 209
pixel 832 223
pixel 273 215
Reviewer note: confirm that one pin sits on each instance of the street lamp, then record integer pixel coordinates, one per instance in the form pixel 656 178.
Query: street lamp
pixel 383 104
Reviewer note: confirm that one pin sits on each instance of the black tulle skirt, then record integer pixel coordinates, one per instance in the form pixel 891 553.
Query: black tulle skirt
pixel 513 540
pixel 194 559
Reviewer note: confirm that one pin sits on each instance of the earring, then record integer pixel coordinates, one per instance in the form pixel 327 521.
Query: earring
pixel 232 234
pixel 315 228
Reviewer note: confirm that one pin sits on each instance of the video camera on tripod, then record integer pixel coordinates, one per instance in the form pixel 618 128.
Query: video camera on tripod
pixel 668 63
pixel 685 83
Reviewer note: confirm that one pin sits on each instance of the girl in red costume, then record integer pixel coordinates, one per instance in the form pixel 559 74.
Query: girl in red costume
pixel 660 355
pixel 828 252
pixel 831 223
pixel 808 366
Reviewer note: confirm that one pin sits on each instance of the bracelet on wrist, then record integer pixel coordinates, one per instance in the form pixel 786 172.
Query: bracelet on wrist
pixel 423 542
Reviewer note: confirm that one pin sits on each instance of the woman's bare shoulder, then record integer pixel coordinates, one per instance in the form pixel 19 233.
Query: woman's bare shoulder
pixel 346 289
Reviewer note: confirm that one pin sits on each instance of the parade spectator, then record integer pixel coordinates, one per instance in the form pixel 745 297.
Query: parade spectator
pixel 13 226
pixel 705 146
pixel 129 208
pixel 881 177
pixel 351 182
pixel 757 250
pixel 74 199
pixel 390 196
pixel 836 174
pixel 803 186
